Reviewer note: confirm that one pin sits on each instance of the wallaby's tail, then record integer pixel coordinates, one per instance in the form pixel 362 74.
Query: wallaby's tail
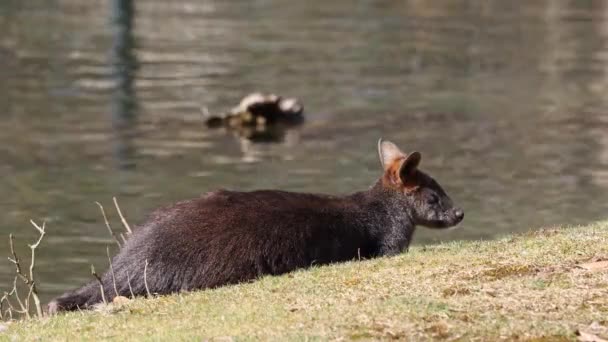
pixel 81 298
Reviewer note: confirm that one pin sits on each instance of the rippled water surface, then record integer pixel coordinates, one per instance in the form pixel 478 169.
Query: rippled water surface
pixel 507 101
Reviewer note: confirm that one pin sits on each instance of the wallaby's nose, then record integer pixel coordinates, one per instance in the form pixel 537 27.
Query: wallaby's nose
pixel 459 214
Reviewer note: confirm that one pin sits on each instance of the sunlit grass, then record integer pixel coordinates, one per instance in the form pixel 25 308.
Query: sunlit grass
pixel 524 287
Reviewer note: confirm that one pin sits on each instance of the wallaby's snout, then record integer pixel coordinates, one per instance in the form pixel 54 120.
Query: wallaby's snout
pixel 418 193
pixel 449 219
pixel 458 215
pixel 432 207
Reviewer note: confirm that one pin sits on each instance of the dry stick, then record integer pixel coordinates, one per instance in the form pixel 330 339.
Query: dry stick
pixel 15 293
pixel 33 291
pixel 122 218
pixel 129 283
pixel 103 296
pixel 146 279
pixel 29 294
pixel 12 293
pixel 10 307
pixel 112 271
pixel 15 260
pixel 7 297
pixel 3 299
pixel 8 312
pixel 27 279
pixel 123 238
pixel 105 218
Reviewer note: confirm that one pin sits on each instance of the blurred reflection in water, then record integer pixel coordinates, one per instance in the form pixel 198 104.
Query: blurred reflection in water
pixel 124 65
pixel 506 101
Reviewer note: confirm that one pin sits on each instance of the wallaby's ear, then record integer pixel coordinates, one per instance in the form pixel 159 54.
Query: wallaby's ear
pixel 389 153
pixel 410 164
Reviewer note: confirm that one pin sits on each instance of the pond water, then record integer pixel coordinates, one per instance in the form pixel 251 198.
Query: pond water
pixel 507 101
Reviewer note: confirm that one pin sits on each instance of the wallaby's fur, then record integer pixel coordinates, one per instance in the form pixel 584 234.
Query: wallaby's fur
pixel 227 237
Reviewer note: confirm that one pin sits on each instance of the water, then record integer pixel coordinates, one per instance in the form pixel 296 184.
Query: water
pixel 506 101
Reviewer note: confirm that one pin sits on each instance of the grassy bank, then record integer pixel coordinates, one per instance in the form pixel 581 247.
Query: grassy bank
pixel 541 286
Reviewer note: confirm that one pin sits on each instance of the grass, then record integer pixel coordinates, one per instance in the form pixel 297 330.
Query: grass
pixel 528 287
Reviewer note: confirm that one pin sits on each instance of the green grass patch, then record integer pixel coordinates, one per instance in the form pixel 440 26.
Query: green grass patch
pixel 528 287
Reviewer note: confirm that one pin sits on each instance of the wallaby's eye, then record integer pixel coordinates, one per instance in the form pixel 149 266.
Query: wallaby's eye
pixel 433 199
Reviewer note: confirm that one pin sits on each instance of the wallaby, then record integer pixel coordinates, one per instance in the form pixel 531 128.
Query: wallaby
pixel 227 237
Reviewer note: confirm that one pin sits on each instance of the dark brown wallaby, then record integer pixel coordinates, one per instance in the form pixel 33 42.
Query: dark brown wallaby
pixel 227 237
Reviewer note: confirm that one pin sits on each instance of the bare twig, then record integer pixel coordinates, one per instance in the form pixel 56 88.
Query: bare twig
pixel 146 278
pixel 129 283
pixel 15 293
pixel 10 308
pixel 9 312
pixel 122 218
pixel 33 291
pixel 27 301
pixel 15 259
pixel 105 218
pixel 3 312
pixel 7 295
pixel 28 279
pixel 112 271
pixel 103 296
pixel 6 299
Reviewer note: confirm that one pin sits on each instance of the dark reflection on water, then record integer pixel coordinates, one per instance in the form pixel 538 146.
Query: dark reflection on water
pixel 124 65
pixel 506 100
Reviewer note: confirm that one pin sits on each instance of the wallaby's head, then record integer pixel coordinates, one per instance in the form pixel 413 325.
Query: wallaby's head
pixel 418 193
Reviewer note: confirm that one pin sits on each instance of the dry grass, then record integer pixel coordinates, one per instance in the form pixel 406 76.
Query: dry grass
pixel 527 288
